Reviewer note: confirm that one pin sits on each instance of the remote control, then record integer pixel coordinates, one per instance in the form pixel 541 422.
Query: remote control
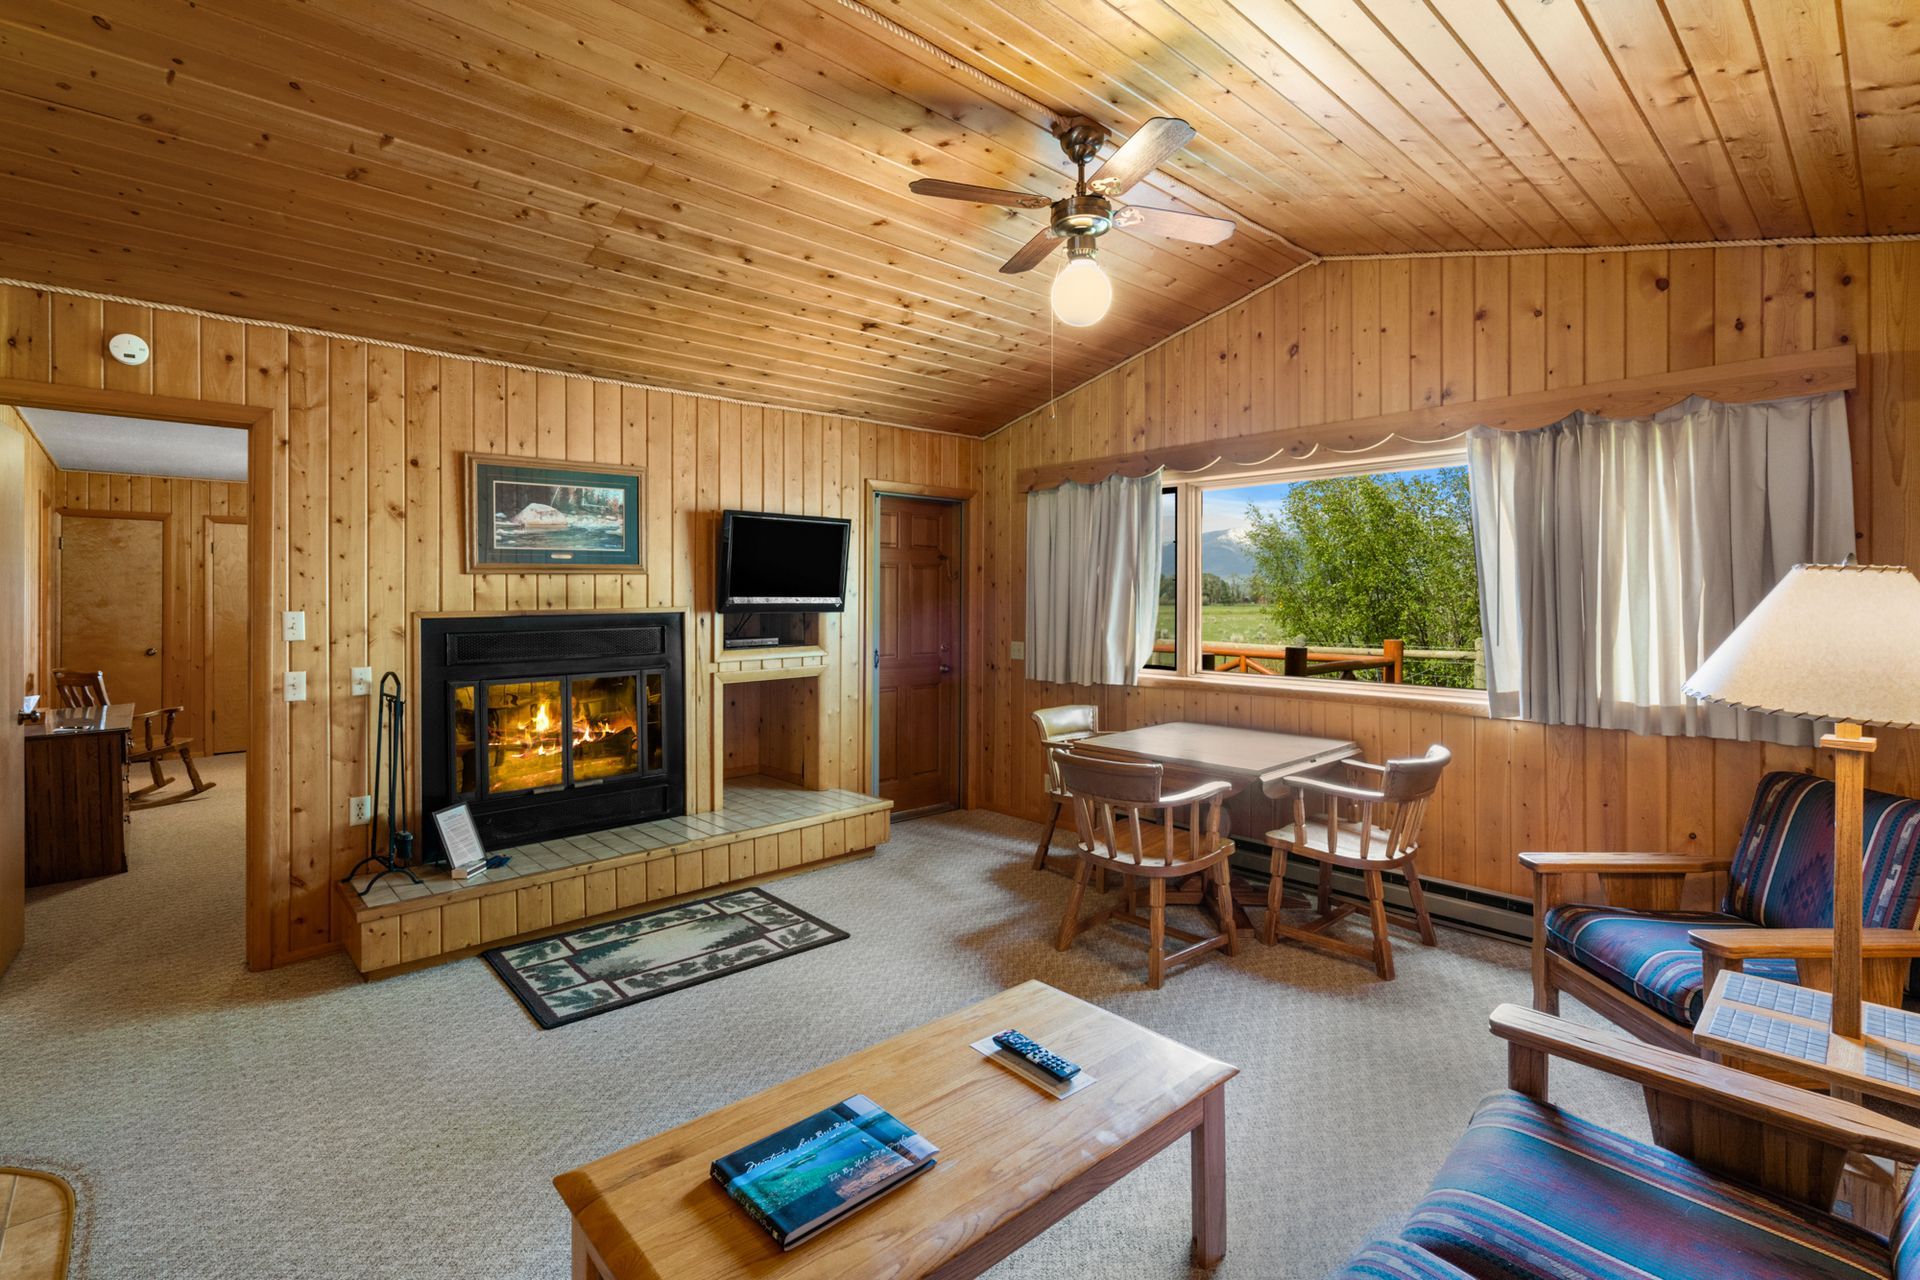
pixel 1051 1063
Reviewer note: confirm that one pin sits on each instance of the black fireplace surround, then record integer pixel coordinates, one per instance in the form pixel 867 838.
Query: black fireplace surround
pixel 551 724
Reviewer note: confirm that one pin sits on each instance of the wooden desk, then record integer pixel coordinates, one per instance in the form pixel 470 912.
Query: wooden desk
pixel 1780 1025
pixel 1012 1161
pixel 1241 756
pixel 76 793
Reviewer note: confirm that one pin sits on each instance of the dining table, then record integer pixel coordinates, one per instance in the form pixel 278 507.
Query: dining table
pixel 1194 751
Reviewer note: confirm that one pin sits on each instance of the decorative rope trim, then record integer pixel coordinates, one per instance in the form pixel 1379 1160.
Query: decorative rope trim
pixel 1892 237
pixel 453 355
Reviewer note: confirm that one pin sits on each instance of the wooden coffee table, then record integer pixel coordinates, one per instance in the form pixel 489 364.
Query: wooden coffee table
pixel 1012 1161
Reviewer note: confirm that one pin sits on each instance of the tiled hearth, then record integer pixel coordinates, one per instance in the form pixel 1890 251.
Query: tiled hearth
pixel 766 828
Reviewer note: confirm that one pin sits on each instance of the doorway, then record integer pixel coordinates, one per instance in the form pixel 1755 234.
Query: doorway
pixel 111 584
pixel 917 614
pixel 137 557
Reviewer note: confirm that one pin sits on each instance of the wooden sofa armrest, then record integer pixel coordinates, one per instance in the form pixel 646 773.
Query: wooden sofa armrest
pixel 1621 864
pixel 1801 944
pixel 1675 1078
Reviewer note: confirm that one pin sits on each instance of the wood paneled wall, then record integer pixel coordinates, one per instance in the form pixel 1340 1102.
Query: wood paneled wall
pixel 187 504
pixel 1349 340
pixel 366 488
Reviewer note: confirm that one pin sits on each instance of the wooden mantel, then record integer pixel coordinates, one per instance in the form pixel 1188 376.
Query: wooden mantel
pixel 1801 373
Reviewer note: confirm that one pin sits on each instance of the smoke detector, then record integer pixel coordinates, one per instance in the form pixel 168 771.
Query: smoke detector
pixel 127 348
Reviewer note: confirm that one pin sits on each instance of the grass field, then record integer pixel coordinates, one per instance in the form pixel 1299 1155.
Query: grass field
pixel 1239 623
pixel 1251 624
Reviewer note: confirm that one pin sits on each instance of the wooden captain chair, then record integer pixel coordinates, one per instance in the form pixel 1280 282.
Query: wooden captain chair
pixel 89 689
pixel 1126 823
pixel 1385 805
pixel 1059 725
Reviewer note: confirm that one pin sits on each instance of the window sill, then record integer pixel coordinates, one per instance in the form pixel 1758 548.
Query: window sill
pixel 1459 702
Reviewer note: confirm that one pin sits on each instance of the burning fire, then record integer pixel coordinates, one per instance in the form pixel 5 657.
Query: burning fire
pixel 538 736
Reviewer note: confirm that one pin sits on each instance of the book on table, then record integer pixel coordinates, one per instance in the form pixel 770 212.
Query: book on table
pixel 803 1179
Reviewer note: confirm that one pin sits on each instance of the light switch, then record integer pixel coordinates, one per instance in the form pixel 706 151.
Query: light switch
pixel 1019 648
pixel 362 681
pixel 296 686
pixel 293 625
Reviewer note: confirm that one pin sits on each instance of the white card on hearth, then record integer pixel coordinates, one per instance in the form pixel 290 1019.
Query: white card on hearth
pixel 461 837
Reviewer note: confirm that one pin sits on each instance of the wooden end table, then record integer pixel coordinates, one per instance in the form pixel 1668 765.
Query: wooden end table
pixel 1787 1027
pixel 1012 1161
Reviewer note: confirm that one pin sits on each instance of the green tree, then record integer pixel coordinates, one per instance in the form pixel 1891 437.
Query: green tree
pixel 1355 560
pixel 1215 589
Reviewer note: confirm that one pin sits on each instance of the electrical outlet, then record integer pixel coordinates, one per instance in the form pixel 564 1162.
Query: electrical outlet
pixel 296 686
pixel 1019 651
pixel 360 810
pixel 362 681
pixel 293 626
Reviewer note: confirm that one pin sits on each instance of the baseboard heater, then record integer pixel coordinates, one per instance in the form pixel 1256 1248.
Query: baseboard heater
pixel 1494 914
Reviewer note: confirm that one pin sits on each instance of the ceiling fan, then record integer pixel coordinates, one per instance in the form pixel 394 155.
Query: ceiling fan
pixel 1081 292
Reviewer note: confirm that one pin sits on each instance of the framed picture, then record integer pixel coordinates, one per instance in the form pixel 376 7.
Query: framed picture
pixel 528 515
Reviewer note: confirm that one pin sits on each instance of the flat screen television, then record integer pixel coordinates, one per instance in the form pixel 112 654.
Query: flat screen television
pixel 773 563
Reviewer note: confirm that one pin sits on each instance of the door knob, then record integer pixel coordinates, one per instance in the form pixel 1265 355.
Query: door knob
pixel 151 652
pixel 945 670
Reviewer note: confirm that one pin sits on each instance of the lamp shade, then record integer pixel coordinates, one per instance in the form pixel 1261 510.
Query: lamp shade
pixel 1829 642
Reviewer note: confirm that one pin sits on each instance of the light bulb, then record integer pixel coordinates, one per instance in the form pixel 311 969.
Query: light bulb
pixel 1081 292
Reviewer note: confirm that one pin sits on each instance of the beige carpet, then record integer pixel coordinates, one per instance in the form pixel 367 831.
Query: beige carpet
pixel 301 1123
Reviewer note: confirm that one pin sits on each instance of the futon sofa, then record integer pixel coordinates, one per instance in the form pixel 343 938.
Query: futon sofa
pixel 1740 1185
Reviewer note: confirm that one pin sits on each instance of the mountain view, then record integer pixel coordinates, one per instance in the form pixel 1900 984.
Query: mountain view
pixel 1221 552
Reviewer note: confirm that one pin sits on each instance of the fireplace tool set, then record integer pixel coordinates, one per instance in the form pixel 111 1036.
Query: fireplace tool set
pixel 390 754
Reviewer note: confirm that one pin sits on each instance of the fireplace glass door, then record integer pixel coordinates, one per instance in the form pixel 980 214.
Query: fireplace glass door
pixel 524 730
pixel 606 728
pixel 541 735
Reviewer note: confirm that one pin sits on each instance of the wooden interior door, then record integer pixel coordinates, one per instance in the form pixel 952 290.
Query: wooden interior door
pixel 112 603
pixel 226 649
pixel 917 653
pixel 13 662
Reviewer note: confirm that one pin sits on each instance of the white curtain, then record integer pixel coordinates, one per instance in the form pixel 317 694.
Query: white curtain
pixel 1093 580
pixel 1615 555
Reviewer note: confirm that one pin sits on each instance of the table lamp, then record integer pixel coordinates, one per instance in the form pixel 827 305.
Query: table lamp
pixel 1837 642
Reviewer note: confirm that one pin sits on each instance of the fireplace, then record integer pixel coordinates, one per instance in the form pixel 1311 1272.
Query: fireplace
pixel 551 724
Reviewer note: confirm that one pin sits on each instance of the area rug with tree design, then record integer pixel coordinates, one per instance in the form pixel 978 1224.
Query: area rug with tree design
pixel 575 975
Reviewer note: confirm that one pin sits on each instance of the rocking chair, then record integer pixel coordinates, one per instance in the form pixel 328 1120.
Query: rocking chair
pixel 89 689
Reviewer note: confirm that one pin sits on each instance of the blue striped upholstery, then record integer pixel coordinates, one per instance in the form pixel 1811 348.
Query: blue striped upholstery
pixel 1646 954
pixel 1531 1193
pixel 1397 1260
pixel 1781 878
pixel 1782 874
pixel 1906 1235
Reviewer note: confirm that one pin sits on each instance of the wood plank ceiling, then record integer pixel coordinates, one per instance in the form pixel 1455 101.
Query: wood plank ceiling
pixel 711 194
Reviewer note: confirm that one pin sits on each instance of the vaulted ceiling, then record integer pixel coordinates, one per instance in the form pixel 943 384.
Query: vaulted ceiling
pixel 711 194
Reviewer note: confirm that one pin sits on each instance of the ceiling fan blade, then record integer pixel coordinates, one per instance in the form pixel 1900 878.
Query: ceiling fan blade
pixel 1032 253
pixel 980 195
pixel 1156 142
pixel 1191 227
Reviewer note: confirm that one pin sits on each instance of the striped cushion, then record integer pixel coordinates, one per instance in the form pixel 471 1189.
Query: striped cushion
pixel 1647 954
pixel 1783 866
pixel 1532 1192
pixel 1396 1260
